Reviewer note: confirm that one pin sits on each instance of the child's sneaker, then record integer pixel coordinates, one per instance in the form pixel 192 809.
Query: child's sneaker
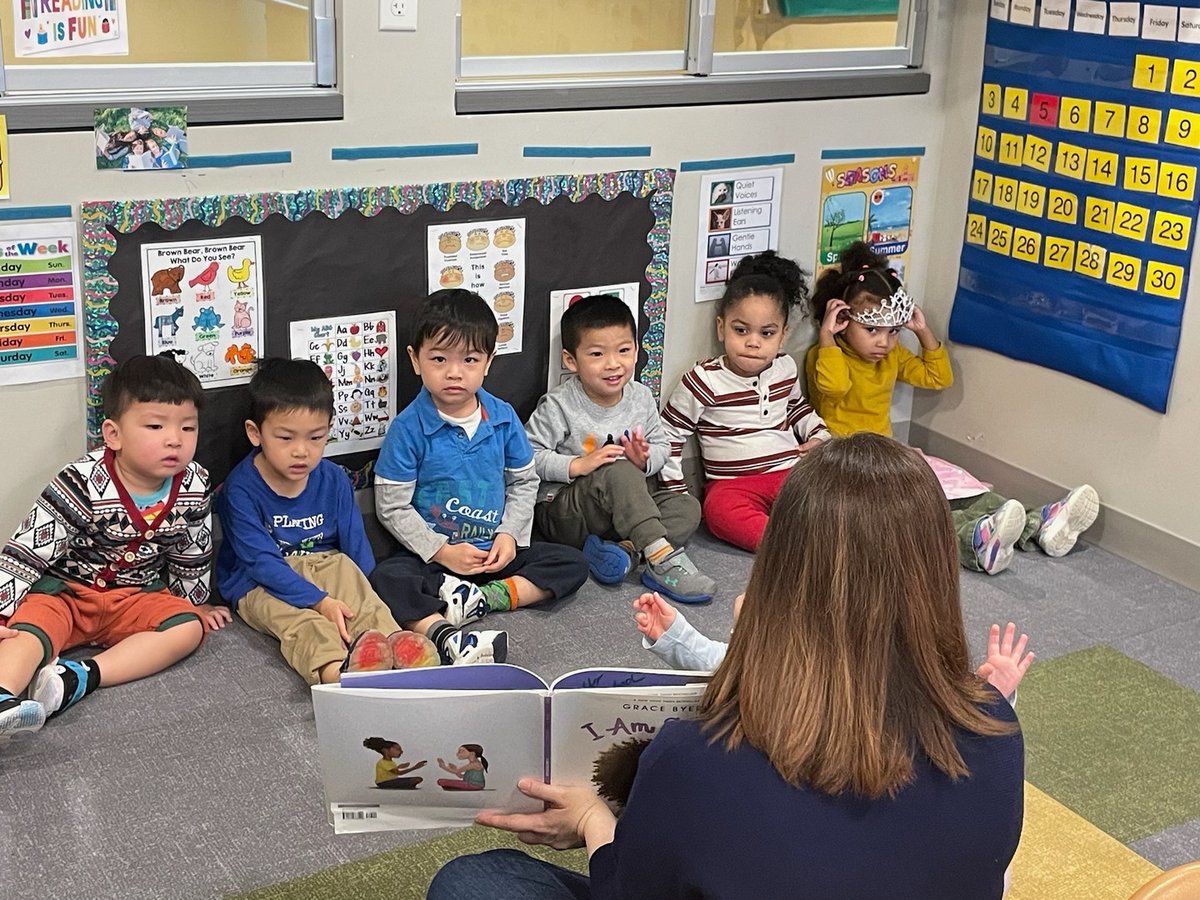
pixel 20 716
pixel 1065 520
pixel 608 562
pixel 59 686
pixel 369 652
pixel 677 577
pixel 464 601
pixel 995 536
pixel 466 647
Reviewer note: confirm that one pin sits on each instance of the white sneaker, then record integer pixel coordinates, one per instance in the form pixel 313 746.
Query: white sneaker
pixel 47 687
pixel 1065 520
pixel 21 718
pixel 464 601
pixel 467 647
pixel 995 536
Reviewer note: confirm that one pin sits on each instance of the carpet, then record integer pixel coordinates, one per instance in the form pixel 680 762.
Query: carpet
pixel 1113 740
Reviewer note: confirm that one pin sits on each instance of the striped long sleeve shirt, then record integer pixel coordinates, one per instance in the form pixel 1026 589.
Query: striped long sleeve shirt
pixel 745 426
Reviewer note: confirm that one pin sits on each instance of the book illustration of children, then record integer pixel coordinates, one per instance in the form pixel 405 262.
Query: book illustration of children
pixel 391 775
pixel 470 775
pixel 615 768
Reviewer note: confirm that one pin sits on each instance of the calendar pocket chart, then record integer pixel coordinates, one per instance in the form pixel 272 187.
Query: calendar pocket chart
pixel 1083 196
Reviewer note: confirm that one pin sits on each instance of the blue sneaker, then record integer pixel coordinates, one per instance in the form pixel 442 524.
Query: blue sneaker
pixel 677 577
pixel 20 716
pixel 608 562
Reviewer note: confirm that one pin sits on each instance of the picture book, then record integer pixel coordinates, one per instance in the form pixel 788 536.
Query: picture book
pixel 430 748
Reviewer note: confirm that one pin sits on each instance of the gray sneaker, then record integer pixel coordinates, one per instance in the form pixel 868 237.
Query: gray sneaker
pixel 678 578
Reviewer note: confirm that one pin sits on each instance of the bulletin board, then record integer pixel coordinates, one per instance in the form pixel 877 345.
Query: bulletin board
pixel 354 251
pixel 1080 223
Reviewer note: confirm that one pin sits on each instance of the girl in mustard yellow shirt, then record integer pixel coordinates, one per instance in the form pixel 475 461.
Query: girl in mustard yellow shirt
pixel 852 370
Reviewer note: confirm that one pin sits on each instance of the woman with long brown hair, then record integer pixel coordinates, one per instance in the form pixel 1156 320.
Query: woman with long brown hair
pixel 844 749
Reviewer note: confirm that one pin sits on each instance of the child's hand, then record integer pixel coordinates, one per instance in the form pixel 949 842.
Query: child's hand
pixel 461 559
pixel 654 615
pixel 637 448
pixel 810 444
pixel 601 456
pixel 834 321
pixel 215 617
pixel 504 551
pixel 336 612
pixel 916 323
pixel 6 632
pixel 1005 666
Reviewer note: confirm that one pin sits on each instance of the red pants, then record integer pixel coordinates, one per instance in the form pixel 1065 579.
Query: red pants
pixel 736 509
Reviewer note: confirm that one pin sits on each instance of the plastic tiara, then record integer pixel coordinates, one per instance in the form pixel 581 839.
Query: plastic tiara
pixel 892 312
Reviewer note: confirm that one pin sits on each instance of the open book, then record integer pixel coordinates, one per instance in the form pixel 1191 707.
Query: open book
pixel 430 748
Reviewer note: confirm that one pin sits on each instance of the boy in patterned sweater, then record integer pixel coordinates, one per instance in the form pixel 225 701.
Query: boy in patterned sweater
pixel 115 553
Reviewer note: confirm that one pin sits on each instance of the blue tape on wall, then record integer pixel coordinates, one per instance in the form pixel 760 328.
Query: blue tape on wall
pixel 404 152
pixel 737 162
pixel 1083 205
pixel 585 152
pixel 231 160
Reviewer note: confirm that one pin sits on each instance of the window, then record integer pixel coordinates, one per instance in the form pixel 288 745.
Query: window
pixel 240 60
pixel 562 54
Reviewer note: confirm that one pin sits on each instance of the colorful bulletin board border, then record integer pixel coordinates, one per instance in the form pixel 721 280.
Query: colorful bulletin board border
pixel 1083 198
pixel 103 220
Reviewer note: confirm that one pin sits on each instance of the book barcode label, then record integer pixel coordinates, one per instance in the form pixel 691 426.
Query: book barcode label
pixel 358 814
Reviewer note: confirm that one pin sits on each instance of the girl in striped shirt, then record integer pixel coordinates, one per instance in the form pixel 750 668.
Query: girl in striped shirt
pixel 745 406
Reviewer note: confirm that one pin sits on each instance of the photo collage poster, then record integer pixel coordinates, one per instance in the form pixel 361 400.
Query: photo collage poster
pixel 358 355
pixel 203 303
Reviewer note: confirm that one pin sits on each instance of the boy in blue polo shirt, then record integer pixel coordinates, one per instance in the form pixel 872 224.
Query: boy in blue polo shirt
pixel 455 484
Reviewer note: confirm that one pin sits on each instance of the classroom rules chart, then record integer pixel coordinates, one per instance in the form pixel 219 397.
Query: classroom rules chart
pixel 1083 193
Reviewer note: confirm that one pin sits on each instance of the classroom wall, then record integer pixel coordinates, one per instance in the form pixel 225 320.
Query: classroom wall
pixel 399 90
pixel 1055 427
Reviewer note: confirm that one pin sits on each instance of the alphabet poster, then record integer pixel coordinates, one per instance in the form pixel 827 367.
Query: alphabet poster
pixel 489 259
pixel 39 303
pixel 358 354
pixel 739 215
pixel 870 201
pixel 1079 227
pixel 204 303
pixel 70 28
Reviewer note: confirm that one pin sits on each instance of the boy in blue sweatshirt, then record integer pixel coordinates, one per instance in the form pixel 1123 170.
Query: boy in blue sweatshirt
pixel 294 560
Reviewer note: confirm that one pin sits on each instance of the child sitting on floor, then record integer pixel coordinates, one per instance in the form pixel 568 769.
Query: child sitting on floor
pixel 115 553
pixel 295 555
pixel 596 437
pixel 861 307
pixel 455 484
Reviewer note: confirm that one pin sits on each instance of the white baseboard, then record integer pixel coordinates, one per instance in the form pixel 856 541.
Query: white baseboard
pixel 1131 538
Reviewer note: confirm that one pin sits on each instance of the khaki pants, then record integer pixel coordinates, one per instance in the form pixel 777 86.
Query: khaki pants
pixel 307 640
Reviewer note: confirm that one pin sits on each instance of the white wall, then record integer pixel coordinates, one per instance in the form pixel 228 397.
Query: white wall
pixel 399 90
pixel 1052 425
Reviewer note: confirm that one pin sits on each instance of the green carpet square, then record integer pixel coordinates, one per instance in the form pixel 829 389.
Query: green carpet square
pixel 1113 740
pixel 404 873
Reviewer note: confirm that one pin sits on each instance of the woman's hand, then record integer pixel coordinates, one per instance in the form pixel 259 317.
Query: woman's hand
pixel 573 816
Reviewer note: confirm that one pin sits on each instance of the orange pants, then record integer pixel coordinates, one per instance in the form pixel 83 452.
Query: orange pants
pixel 81 616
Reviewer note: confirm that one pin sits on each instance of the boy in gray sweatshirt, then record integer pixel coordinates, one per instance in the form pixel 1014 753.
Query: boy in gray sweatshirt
pixel 596 439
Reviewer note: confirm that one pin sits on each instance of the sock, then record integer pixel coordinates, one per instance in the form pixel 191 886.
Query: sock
pixel 8 699
pixel 500 595
pixel 70 680
pixel 439 634
pixel 658 551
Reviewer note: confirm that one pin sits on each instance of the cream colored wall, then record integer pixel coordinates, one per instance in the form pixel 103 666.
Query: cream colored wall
pixel 1052 425
pixel 399 90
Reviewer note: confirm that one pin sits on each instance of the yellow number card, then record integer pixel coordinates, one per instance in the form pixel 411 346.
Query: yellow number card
pixel 1141 174
pixel 1089 259
pixel 1070 160
pixel 976 228
pixel 1124 271
pixel 1164 279
pixel 1063 206
pixel 1177 180
pixel 1183 129
pixel 1171 230
pixel 1098 214
pixel 981 187
pixel 1004 194
pixel 1016 102
pixel 990 101
pixel 999 239
pixel 1102 167
pixel 1144 124
pixel 1039 153
pixel 985 143
pixel 1131 221
pixel 1109 119
pixel 1150 72
pixel 1031 199
pixel 1060 253
pixel 1075 114
pixel 1185 78
pixel 1027 245
pixel 1012 149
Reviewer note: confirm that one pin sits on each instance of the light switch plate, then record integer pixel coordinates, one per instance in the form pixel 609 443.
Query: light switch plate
pixel 397 15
